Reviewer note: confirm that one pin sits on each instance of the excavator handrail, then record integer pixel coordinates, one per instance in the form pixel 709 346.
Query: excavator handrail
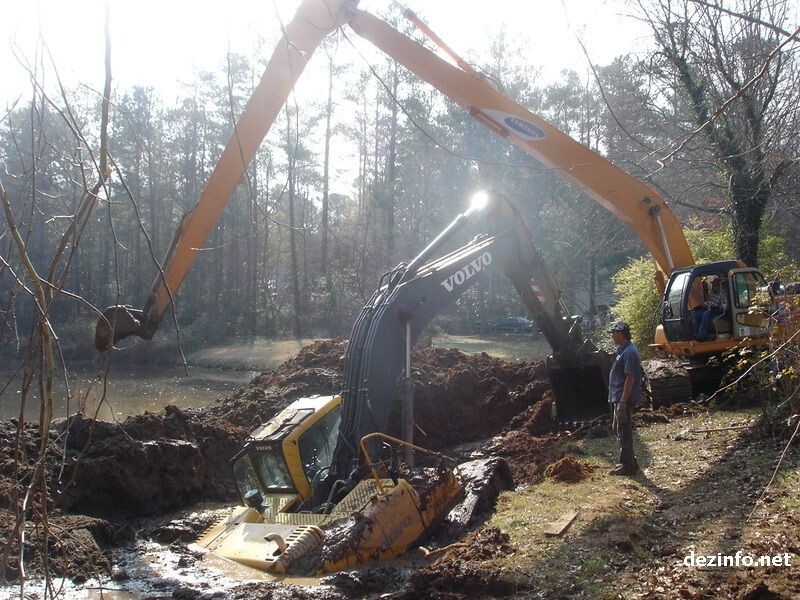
pixel 399 442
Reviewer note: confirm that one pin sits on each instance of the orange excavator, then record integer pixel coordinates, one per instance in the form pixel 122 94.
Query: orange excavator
pixel 284 489
pixel 683 284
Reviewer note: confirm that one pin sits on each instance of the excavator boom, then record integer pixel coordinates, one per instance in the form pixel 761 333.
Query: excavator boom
pixel 635 203
pixel 638 205
pixel 314 20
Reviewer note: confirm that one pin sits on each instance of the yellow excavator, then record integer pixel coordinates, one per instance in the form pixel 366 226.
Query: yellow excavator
pixel 308 494
pixel 313 480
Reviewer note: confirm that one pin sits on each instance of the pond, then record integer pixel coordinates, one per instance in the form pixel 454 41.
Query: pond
pixel 131 389
pixel 214 372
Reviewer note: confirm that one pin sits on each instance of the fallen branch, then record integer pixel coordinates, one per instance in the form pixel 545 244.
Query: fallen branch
pixel 731 428
pixel 431 553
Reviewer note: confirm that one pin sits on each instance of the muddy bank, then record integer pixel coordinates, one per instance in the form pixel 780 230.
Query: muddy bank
pixel 148 464
pixel 466 570
pixel 457 397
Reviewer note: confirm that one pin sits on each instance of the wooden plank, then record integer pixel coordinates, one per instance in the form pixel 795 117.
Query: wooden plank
pixel 559 527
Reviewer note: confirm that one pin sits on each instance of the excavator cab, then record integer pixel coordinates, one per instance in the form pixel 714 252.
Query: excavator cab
pixel 286 456
pixel 690 327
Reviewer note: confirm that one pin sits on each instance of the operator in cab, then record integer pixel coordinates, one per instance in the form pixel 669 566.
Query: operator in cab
pixel 624 393
pixel 715 306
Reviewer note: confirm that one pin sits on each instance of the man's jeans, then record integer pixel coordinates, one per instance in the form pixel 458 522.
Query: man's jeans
pixel 624 433
pixel 701 320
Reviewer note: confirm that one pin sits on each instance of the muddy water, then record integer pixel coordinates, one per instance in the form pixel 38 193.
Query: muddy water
pixel 152 570
pixel 131 390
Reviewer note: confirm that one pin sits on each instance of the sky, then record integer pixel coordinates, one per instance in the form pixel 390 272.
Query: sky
pixel 159 42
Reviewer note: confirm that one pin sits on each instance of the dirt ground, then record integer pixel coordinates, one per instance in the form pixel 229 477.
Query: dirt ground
pixel 696 492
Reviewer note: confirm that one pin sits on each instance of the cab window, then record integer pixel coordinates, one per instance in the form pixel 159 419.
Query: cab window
pixel 746 288
pixel 245 475
pixel 271 468
pixel 262 468
pixel 317 444
pixel 672 307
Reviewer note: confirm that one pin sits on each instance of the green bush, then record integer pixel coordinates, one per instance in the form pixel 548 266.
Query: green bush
pixel 638 301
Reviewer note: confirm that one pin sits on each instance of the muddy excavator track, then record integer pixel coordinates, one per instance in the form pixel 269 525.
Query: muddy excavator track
pixel 667 382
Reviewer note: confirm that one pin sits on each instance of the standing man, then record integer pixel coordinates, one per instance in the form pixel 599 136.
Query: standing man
pixel 624 393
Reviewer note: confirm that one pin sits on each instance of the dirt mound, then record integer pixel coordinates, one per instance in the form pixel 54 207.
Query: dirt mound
pixel 527 455
pixel 148 463
pixel 457 397
pixel 78 546
pixel 535 419
pixel 316 369
pixel 568 469
pixel 466 570
pixel 461 398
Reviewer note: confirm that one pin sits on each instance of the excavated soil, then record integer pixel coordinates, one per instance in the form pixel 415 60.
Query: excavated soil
pixel 153 463
pixel 568 469
pixel 462 398
pixel 466 570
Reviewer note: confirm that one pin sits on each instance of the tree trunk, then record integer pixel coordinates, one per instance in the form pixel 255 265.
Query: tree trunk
pixel 391 173
pixel 749 201
pixel 295 276
pixel 326 172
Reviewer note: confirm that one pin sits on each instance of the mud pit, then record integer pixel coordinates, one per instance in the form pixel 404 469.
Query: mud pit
pixel 150 464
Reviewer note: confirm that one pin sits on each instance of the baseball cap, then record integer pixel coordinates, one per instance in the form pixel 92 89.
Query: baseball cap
pixel 620 326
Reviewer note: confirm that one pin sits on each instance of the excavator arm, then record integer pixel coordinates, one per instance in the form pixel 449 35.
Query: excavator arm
pixel 635 203
pixel 412 295
pixel 314 20
pixel 638 205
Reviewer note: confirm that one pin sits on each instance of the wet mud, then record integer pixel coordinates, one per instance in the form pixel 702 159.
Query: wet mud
pixel 105 478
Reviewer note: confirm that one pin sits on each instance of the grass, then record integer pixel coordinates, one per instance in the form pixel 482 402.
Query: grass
pixel 508 346
pixel 789 481
pixel 694 489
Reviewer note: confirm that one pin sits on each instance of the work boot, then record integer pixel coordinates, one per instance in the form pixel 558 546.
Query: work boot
pixel 627 471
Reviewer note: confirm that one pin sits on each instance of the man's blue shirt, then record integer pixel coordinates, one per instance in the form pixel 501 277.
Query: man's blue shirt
pixel 626 361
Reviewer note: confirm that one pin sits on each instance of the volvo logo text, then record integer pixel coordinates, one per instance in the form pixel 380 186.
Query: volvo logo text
pixel 466 272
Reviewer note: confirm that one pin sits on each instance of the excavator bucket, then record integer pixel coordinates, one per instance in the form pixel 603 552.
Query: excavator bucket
pixel 117 323
pixel 581 391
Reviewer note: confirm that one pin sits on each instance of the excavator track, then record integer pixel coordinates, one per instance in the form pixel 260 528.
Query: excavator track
pixel 667 382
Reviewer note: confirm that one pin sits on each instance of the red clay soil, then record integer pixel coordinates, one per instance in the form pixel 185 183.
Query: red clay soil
pixel 458 397
pixel 462 398
pixel 568 469
pixel 527 455
pixel 147 464
pixel 316 369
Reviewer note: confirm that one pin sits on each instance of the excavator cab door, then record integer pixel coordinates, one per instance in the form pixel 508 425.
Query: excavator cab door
pixel 751 305
pixel 673 317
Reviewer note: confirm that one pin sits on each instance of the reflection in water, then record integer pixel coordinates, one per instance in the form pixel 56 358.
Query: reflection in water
pixel 130 390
